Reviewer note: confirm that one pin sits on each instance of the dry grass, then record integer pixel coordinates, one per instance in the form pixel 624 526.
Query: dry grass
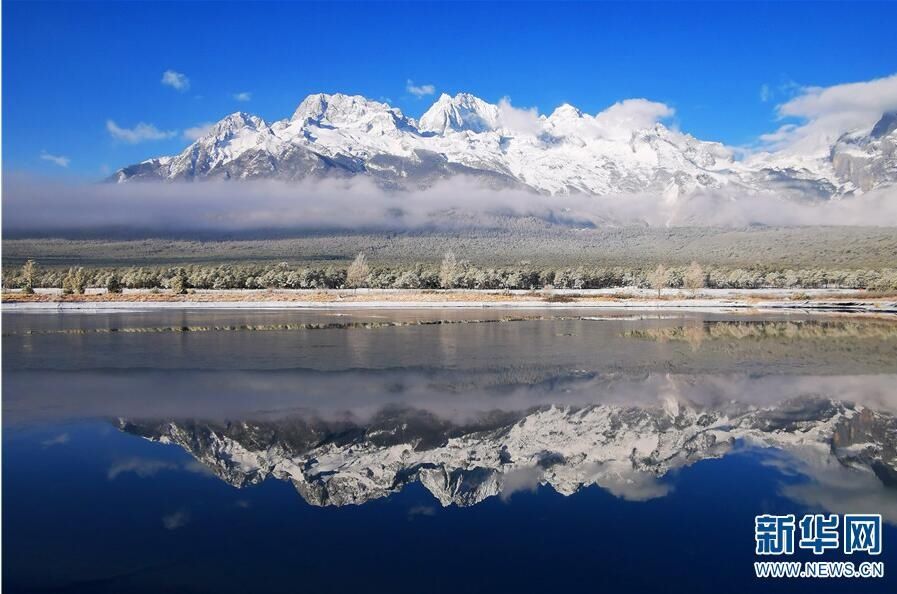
pixel 166 297
pixel 259 296
pixel 426 296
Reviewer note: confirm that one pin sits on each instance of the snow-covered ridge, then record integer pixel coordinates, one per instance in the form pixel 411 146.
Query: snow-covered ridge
pixel 625 149
pixel 624 449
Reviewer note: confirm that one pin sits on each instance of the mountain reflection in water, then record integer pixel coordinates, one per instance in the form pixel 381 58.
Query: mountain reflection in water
pixel 568 430
pixel 479 405
pixel 162 451
pixel 625 450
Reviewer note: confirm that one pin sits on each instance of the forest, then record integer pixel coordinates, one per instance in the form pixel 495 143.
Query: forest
pixel 507 258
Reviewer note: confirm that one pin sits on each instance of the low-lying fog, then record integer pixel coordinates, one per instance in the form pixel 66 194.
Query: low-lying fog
pixel 33 206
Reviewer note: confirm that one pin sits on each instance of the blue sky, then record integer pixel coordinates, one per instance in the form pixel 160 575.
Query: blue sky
pixel 69 68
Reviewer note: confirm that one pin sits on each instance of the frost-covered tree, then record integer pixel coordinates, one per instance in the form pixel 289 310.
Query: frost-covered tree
pixel 67 282
pixel 448 272
pixel 113 284
pixel 179 282
pixel 659 278
pixel 358 271
pixel 694 277
pixel 74 282
pixel 29 271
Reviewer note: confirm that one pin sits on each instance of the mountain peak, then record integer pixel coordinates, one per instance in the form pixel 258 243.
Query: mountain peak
pixel 565 112
pixel 886 125
pixel 340 109
pixel 242 119
pixel 461 112
pixel 231 125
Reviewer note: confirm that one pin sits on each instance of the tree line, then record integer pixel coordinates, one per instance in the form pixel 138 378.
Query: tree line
pixel 451 273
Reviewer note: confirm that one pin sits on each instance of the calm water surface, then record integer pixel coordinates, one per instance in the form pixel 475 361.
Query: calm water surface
pixel 427 451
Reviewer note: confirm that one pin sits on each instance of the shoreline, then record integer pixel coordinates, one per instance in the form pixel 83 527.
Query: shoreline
pixel 782 300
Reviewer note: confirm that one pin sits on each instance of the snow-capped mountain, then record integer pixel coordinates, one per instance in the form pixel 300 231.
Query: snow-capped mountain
pixel 868 160
pixel 854 163
pixel 462 112
pixel 567 151
pixel 624 449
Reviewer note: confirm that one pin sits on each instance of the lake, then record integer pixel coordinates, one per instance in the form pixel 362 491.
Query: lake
pixel 437 451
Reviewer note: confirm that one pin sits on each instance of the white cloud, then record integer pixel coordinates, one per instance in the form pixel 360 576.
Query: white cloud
pixel 782 135
pixel 61 439
pixel 632 485
pixel 828 112
pixel 421 510
pixel 520 479
pixel 139 133
pixel 142 467
pixel 765 93
pixel 60 160
pixel 175 520
pixel 243 96
pixel 197 132
pixel 631 114
pixel 175 80
pixel 524 121
pixel 419 90
pixel 147 467
pixel 617 122
pixel 834 487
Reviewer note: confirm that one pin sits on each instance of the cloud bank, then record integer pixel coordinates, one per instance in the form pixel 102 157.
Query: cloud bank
pixel 34 206
pixel 825 113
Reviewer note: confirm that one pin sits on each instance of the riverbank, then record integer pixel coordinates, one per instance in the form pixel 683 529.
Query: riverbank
pixel 833 300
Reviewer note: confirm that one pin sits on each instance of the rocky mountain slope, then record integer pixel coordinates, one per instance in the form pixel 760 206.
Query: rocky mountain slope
pixel 565 152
